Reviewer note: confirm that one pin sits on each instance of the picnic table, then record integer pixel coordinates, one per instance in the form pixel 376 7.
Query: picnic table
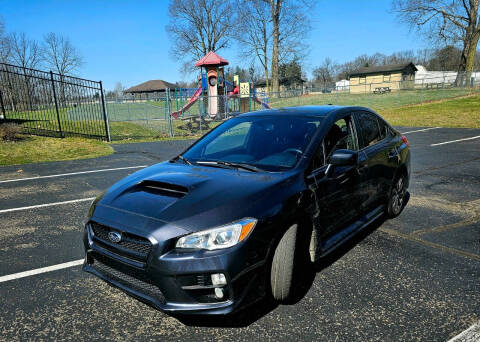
pixel 382 90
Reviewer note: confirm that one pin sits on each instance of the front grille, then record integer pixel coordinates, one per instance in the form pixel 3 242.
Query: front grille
pixel 132 246
pixel 131 279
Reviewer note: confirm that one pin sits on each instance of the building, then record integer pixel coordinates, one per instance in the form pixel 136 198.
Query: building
pixel 392 76
pixel 438 79
pixel 342 86
pixel 149 90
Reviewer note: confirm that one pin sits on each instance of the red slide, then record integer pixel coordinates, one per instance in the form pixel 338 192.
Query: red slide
pixel 190 102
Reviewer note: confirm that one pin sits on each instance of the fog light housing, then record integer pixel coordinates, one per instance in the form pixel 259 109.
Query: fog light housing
pixel 218 293
pixel 218 279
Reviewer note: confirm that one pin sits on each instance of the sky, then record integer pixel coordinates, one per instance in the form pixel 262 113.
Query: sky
pixel 126 41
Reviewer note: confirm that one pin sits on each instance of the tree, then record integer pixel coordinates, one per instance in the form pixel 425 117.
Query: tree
pixel 453 21
pixel 290 73
pixel 199 26
pixel 290 25
pixel 255 34
pixel 60 55
pixel 23 51
pixel 445 59
pixel 4 46
pixel 118 90
pixel 324 75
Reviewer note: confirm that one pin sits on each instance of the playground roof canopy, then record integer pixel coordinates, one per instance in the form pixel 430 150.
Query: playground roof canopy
pixel 211 58
pixel 151 86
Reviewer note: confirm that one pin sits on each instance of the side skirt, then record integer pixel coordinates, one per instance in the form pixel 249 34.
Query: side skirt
pixel 351 230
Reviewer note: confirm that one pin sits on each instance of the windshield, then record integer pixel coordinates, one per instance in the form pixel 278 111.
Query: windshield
pixel 271 143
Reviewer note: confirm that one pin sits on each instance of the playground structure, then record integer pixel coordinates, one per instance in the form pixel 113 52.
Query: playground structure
pixel 216 95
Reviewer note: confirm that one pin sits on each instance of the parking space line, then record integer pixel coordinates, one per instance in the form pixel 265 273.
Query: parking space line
pixel 73 173
pixel 46 205
pixel 40 270
pixel 471 334
pixel 454 141
pixel 421 130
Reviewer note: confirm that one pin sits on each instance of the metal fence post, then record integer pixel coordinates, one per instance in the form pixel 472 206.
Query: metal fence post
pixel 104 109
pixel 56 103
pixel 170 123
pixel 3 107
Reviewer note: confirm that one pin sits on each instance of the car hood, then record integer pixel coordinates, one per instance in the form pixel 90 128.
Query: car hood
pixel 194 197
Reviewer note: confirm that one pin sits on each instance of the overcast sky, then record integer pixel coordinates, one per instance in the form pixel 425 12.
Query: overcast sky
pixel 126 41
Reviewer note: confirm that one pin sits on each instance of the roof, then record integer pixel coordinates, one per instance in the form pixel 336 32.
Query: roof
pixel 383 68
pixel 150 87
pixel 211 58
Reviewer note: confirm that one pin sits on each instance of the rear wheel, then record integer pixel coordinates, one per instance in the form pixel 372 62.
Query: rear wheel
pixel 397 197
pixel 281 277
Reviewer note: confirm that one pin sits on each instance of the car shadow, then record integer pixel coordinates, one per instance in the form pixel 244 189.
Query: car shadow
pixel 303 279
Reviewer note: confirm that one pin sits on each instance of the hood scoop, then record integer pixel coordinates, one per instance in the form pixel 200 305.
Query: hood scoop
pixel 162 188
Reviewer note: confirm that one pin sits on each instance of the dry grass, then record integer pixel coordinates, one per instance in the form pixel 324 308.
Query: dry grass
pixel 33 149
pixel 460 112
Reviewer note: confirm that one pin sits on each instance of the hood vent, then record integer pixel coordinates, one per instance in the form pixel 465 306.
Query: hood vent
pixel 161 188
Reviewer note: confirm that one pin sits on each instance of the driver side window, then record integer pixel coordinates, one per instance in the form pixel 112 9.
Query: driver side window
pixel 340 136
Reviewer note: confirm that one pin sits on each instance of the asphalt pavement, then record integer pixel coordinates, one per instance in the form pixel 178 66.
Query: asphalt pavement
pixel 416 277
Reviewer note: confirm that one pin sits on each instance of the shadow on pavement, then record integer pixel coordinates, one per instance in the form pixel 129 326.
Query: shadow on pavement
pixel 303 281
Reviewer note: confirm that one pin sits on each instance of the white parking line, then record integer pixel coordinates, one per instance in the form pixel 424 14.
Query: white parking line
pixel 40 270
pixel 470 335
pixel 46 205
pixel 73 173
pixel 421 130
pixel 454 141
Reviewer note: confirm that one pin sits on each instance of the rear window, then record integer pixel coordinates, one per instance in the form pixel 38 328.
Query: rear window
pixel 369 129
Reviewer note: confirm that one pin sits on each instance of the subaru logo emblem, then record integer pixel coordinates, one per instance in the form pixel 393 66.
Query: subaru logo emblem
pixel 115 237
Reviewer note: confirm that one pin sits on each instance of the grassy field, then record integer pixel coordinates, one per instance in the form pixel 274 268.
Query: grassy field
pixel 443 107
pixel 454 107
pixel 461 112
pixel 33 149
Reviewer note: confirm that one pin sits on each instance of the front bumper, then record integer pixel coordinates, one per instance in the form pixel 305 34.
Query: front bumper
pixel 178 281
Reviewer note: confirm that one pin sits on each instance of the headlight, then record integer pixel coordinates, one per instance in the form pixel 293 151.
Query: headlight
pixel 221 237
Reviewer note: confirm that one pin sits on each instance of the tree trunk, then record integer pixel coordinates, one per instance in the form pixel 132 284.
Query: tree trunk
pixel 467 60
pixel 276 7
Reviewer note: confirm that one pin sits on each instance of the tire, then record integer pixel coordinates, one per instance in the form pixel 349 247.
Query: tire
pixel 281 277
pixel 397 196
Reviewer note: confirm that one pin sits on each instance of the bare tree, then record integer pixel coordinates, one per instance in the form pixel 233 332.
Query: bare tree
pixel 4 46
pixel 290 25
pixel 325 73
pixel 23 51
pixel 199 26
pixel 453 21
pixel 255 34
pixel 60 55
pixel 118 90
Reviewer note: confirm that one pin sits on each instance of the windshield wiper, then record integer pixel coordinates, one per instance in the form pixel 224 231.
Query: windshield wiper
pixel 182 158
pixel 221 163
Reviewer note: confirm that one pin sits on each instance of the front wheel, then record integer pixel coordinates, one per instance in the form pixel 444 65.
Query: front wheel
pixel 281 277
pixel 397 196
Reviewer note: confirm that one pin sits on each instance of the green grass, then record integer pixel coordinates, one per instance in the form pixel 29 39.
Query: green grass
pixel 461 112
pixel 375 101
pixel 33 149
pixel 443 107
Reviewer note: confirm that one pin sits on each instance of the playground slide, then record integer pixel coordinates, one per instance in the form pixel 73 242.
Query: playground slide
pixel 190 102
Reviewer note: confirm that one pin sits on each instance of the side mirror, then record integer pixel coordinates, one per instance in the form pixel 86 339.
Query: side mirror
pixel 343 158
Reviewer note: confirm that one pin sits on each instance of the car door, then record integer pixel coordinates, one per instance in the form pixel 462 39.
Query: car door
pixel 336 195
pixel 374 152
